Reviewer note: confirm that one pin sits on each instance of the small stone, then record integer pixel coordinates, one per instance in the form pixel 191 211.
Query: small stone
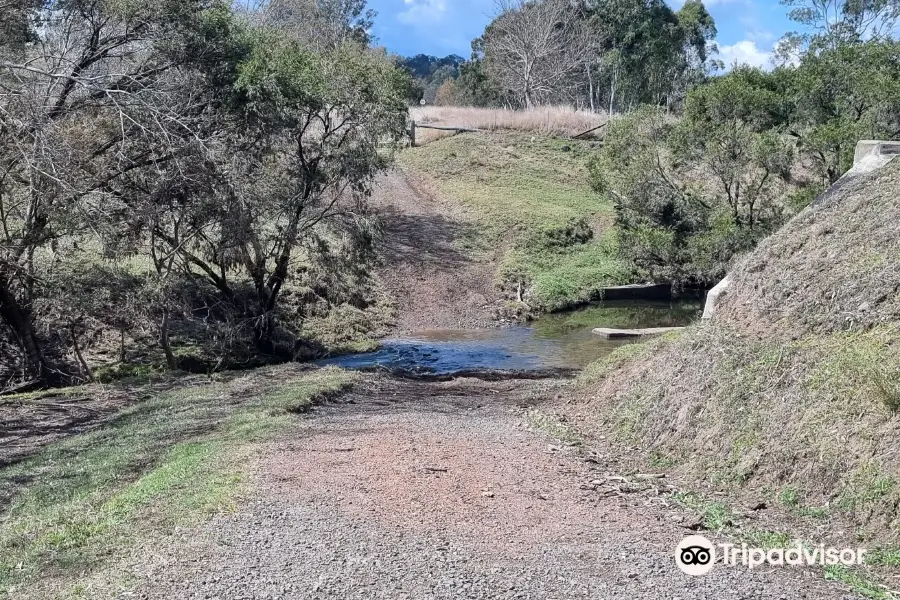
pixel 487 494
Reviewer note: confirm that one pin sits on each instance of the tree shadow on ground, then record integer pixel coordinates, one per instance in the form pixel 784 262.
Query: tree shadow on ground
pixel 422 239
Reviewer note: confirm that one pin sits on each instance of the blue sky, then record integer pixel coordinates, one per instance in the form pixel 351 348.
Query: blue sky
pixel 748 29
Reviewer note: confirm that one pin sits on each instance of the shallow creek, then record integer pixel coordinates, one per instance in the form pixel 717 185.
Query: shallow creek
pixel 555 341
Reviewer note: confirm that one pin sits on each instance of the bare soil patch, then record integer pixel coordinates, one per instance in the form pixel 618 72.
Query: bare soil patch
pixel 436 284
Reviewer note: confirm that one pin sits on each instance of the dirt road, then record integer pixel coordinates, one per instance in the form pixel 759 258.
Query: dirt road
pixel 436 284
pixel 442 490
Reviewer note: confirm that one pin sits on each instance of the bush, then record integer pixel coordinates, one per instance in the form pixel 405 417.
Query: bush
pixel 573 233
pixel 690 195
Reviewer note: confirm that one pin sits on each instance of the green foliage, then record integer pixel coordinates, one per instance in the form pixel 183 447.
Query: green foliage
pixel 473 87
pixel 845 94
pixel 839 23
pixel 233 160
pixel 690 195
pixel 648 53
pixel 730 132
pixel 655 217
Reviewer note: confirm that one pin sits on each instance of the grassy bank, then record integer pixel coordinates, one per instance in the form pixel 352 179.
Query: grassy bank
pixel 807 426
pixel 794 384
pixel 165 462
pixel 531 198
pixel 808 416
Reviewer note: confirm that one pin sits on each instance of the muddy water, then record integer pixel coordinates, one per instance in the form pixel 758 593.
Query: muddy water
pixel 557 341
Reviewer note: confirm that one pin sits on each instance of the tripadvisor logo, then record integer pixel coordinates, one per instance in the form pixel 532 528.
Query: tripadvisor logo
pixel 696 555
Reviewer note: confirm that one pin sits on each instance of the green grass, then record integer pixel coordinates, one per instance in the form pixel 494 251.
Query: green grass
pixel 858 582
pixel 747 412
pixel 791 498
pixel 166 461
pixel 887 557
pixel 603 367
pixel 714 515
pixel 866 487
pixel 767 540
pixel 534 201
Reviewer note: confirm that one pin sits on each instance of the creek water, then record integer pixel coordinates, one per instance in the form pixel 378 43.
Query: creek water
pixel 555 341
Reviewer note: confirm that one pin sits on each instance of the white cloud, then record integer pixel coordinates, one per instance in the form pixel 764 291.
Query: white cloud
pixel 744 52
pixel 420 12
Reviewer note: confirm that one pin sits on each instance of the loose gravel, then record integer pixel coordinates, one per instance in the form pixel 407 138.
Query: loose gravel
pixel 439 490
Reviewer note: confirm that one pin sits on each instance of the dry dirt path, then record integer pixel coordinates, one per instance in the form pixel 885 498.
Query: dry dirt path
pixel 435 283
pixel 440 490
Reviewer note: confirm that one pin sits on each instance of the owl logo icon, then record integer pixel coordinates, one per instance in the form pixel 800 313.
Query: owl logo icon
pixel 695 555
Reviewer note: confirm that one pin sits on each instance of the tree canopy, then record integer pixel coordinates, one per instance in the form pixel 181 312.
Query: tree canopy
pixel 223 155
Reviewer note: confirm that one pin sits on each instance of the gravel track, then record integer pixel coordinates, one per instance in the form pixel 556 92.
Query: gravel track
pixel 439 490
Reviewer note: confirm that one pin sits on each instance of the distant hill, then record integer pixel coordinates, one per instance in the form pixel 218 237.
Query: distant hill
pixel 430 72
pixel 424 66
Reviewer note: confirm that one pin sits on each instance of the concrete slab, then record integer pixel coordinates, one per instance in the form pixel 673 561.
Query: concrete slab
pixel 866 148
pixel 619 334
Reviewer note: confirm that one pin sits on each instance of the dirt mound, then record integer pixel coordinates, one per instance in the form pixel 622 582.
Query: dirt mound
pixel 792 393
pixel 832 268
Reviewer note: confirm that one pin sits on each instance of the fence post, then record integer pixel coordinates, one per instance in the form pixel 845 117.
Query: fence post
pixel 412 134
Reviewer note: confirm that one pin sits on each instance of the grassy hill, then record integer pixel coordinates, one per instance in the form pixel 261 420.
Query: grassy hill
pixel 792 393
pixel 531 200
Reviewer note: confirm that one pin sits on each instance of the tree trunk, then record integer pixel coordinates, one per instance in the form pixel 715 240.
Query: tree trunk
pixel 587 68
pixel 84 366
pixel 612 91
pixel 164 341
pixel 19 321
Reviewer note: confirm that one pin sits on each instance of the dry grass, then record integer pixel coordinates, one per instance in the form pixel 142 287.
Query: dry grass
pixel 752 417
pixel 562 121
pixel 831 268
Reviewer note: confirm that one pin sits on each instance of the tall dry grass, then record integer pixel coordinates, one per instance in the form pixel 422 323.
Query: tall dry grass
pixel 545 120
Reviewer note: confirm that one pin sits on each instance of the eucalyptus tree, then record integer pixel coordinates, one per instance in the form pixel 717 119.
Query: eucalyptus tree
pixel 288 182
pixel 692 193
pixel 832 23
pixel 206 149
pixel 641 51
pixel 321 25
pixel 842 95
